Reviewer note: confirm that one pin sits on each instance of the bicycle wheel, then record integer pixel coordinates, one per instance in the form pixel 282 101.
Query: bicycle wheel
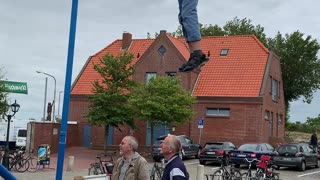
pixel 22 165
pixel 218 175
pixel 33 165
pixel 236 175
pixel 93 170
pixel 246 176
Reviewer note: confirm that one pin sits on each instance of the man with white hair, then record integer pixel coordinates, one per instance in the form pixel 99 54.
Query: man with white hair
pixel 131 166
pixel 174 169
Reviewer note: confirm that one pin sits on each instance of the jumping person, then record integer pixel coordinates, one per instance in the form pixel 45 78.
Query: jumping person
pixel 188 19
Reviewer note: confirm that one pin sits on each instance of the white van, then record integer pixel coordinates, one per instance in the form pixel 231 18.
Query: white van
pixel 21 139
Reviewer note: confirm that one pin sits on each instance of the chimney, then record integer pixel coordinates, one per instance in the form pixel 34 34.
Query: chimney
pixel 126 40
pixel 163 32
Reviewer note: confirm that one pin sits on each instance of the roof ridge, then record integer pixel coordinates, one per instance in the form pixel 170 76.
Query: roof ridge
pixel 106 47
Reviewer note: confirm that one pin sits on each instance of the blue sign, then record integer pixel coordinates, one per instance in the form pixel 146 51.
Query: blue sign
pixel 200 123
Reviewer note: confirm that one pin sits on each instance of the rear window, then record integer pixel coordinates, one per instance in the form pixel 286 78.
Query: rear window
pixel 214 146
pixel 249 147
pixel 288 149
pixel 22 133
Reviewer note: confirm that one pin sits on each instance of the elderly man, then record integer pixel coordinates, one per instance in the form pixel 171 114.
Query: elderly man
pixel 175 169
pixel 131 166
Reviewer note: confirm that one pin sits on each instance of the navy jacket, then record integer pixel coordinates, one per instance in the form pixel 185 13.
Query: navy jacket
pixel 175 170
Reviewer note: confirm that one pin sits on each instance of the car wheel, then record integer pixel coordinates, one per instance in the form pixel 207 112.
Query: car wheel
pixel 202 162
pixel 318 163
pixel 302 166
pixel 277 167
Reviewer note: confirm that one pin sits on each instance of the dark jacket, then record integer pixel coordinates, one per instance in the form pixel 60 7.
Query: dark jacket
pixel 175 170
pixel 314 140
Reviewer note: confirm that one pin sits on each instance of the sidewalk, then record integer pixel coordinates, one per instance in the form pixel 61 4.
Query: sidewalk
pixel 83 157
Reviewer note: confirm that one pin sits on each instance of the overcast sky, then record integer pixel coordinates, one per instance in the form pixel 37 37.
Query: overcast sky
pixel 34 36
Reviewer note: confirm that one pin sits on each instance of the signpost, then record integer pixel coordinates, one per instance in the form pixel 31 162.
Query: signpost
pixel 15 87
pixel 200 126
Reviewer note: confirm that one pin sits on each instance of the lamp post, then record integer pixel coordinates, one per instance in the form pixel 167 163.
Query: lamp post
pixel 14 108
pixel 54 96
pixel 59 102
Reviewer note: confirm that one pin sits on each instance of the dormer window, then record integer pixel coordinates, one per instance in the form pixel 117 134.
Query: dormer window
pixel 224 52
pixel 162 50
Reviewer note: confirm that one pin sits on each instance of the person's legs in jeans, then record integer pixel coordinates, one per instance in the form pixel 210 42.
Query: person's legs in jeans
pixel 188 19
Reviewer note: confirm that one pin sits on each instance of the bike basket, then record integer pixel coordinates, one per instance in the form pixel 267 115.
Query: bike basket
pixel 262 165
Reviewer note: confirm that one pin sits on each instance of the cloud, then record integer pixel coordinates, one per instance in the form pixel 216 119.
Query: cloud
pixel 34 35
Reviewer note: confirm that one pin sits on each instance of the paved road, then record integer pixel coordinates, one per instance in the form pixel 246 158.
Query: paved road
pixel 285 173
pixel 83 158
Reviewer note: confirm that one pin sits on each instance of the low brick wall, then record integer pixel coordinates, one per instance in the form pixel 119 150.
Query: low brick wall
pixel 49 133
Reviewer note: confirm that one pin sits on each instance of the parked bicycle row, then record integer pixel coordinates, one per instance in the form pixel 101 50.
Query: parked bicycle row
pixel 22 161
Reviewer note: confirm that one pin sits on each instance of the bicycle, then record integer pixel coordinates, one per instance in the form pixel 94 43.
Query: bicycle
pixel 17 162
pixel 223 174
pixel 156 170
pixel 102 166
pixel 248 175
pixel 33 162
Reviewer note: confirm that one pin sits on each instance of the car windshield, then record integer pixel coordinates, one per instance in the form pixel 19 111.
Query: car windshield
pixel 213 146
pixel 288 149
pixel 249 147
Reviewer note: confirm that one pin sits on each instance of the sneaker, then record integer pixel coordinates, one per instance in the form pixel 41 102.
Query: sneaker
pixel 194 62
pixel 184 65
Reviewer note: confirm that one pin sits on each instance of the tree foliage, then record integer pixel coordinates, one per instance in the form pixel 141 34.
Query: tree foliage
pixel 162 100
pixel 3 95
pixel 109 103
pixel 300 65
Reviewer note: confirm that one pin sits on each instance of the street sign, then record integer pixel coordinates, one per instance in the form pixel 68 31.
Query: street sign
pixel 200 124
pixel 15 87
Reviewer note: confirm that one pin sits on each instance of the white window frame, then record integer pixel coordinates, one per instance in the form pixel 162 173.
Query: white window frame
pixel 218 112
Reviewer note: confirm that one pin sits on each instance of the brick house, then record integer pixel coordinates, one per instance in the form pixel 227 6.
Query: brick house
pixel 239 91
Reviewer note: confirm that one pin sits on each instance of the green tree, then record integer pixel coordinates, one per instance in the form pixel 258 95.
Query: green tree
pixel 162 100
pixel 314 123
pixel 300 65
pixel 109 103
pixel 3 95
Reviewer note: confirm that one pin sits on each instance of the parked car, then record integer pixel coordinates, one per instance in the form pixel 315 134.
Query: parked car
pixel 299 155
pixel 212 151
pixel 250 151
pixel 189 148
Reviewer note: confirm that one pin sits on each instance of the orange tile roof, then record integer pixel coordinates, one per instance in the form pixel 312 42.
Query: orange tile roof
pixel 239 74
pixel 83 83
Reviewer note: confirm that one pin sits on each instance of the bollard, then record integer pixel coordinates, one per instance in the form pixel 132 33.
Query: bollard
pixel 70 163
pixel 200 172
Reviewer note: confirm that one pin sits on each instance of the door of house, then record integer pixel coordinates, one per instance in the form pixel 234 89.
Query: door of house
pixel 110 135
pixel 158 130
pixel 86 136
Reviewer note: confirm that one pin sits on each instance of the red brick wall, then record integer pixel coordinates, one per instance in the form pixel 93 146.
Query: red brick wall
pixel 43 133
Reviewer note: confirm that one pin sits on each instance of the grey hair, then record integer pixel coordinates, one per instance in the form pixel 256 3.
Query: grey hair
pixel 174 143
pixel 133 142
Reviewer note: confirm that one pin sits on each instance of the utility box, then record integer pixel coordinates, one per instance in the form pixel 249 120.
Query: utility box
pixel 44 154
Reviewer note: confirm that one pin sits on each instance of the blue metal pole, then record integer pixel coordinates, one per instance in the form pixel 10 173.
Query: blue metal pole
pixel 67 89
pixel 5 174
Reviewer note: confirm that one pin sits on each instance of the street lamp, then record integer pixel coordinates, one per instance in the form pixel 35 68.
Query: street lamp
pixel 14 108
pixel 59 103
pixel 54 96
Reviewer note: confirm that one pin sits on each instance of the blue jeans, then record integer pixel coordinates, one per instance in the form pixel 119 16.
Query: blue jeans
pixel 188 19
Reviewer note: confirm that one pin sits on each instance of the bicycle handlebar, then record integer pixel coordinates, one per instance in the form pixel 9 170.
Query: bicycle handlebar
pixel 251 160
